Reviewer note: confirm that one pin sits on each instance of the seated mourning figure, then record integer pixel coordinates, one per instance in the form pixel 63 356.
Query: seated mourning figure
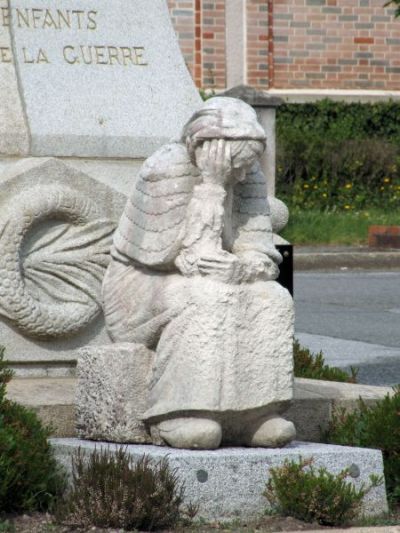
pixel 192 277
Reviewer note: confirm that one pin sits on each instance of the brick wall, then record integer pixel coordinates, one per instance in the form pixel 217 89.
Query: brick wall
pixel 200 26
pixel 183 19
pixel 213 43
pixel 258 43
pixel 327 44
pixel 347 44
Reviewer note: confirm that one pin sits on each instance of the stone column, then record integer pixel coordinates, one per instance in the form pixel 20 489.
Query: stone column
pixel 236 42
pixel 265 107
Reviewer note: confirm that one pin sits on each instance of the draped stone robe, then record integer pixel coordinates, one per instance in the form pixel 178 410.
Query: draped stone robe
pixel 216 343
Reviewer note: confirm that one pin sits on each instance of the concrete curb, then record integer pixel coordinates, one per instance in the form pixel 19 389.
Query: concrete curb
pixel 385 529
pixel 310 258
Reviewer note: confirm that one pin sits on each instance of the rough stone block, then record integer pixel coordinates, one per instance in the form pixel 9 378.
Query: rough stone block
pixel 111 392
pixel 228 483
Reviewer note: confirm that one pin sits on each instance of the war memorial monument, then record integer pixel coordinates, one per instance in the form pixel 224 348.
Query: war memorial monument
pixel 136 237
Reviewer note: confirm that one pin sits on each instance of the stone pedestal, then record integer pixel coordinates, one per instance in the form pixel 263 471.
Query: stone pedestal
pixel 227 484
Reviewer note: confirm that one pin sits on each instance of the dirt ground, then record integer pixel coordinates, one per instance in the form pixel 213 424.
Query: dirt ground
pixel 43 523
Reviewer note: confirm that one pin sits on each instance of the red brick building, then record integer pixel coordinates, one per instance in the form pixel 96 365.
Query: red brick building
pixel 290 44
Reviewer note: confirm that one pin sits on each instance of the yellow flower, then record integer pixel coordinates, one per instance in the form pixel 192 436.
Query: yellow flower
pixel 386 180
pixel 315 187
pixel 324 195
pixel 306 186
pixel 347 206
pixel 348 186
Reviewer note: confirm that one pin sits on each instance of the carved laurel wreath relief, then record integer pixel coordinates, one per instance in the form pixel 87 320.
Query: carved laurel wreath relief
pixel 54 246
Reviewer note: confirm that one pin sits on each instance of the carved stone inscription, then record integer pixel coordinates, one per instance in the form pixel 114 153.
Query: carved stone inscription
pixel 73 53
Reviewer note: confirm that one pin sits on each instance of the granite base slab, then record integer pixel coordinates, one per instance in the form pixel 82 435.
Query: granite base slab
pixel 228 483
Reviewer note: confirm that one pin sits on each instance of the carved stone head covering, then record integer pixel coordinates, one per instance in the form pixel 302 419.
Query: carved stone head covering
pixel 222 118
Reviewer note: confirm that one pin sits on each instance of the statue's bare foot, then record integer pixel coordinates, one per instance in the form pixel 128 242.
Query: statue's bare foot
pixel 193 433
pixel 271 433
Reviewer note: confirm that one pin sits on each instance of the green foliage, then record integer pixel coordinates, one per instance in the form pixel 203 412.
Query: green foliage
pixel 5 374
pixel 297 489
pixel 206 93
pixel 339 156
pixel 312 366
pixel 6 527
pixel 110 490
pixel 375 426
pixel 394 3
pixel 29 476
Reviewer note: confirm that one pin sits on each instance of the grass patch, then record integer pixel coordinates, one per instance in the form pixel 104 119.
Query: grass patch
pixel 336 228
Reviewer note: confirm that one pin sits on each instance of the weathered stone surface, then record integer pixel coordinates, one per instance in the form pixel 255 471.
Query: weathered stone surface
pixel 227 484
pixel 112 391
pixel 313 402
pixel 279 218
pixel 14 135
pixel 53 400
pixel 95 80
pixel 55 247
pixel 52 262
pixel 192 278
pixel 254 97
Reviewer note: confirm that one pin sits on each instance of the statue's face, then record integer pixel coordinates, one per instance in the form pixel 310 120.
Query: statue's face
pixel 244 155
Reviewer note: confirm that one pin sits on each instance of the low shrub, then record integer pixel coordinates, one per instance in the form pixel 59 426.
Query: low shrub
pixel 339 156
pixel 6 527
pixel 110 490
pixel 5 375
pixel 29 476
pixel 312 366
pixel 376 426
pixel 299 490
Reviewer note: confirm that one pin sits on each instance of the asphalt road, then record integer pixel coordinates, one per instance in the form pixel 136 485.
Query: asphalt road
pixel 354 317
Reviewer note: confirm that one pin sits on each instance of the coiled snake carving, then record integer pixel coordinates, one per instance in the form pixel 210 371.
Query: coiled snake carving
pixel 54 249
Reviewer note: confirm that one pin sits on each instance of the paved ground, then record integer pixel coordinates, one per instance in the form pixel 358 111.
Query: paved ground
pixel 354 317
pixel 346 257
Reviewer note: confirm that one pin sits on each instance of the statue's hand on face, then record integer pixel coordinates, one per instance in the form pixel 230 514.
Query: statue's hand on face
pixel 214 161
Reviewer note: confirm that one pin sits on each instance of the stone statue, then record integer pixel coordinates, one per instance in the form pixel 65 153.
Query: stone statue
pixel 192 279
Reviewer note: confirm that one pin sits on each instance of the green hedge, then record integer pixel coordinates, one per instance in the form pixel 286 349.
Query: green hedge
pixel 29 476
pixel 339 156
